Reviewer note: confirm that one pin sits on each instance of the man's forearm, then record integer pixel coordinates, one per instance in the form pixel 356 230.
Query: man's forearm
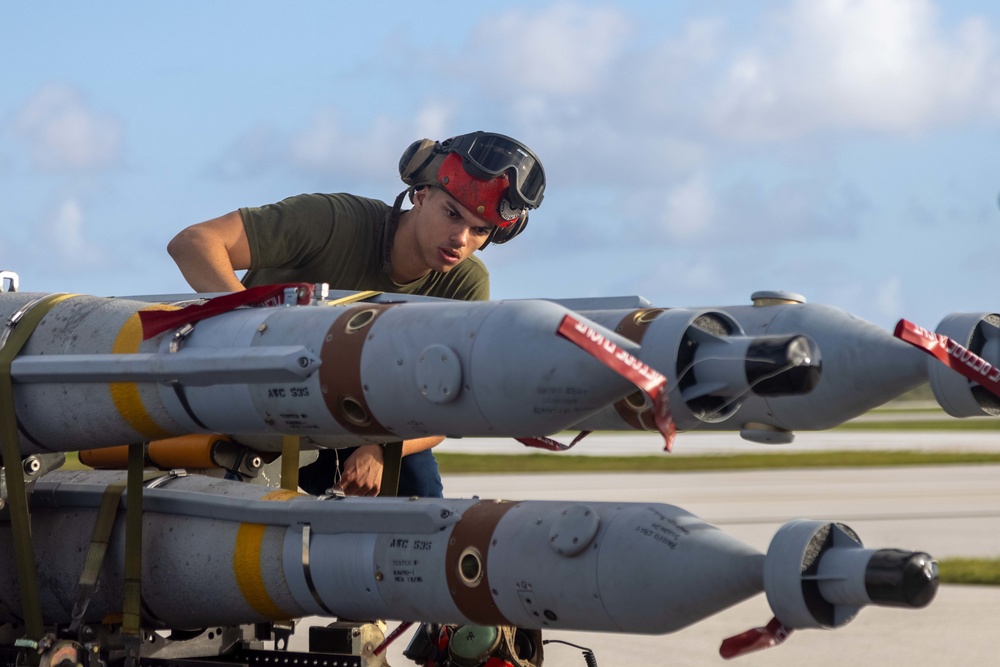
pixel 421 444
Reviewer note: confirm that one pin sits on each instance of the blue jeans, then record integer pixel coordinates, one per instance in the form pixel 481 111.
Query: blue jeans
pixel 418 474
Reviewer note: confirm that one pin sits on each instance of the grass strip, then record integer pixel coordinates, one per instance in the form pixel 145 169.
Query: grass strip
pixel 862 424
pixel 459 464
pixel 974 571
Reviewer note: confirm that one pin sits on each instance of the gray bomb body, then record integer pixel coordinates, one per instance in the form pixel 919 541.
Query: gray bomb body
pixel 862 366
pixel 261 555
pixel 613 567
pixel 368 373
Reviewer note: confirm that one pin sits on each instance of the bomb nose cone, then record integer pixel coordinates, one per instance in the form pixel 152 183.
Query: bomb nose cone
pixel 898 578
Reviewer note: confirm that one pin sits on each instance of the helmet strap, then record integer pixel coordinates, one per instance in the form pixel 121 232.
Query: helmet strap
pixel 391 225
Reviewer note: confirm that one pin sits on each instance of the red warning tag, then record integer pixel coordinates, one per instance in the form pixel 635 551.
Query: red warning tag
pixel 650 381
pixel 951 354
pixel 755 639
pixel 542 442
pixel 157 321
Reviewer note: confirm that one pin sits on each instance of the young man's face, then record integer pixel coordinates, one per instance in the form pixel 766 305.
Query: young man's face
pixel 446 232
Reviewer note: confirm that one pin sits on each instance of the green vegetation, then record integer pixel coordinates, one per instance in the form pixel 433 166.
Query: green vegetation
pixel 980 571
pixel 904 424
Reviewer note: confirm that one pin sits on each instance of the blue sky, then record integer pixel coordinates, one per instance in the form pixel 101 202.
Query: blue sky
pixel 695 151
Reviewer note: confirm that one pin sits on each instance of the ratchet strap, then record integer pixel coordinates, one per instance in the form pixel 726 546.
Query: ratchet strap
pixel 17 334
pixel 132 609
pixel 290 446
pixel 392 459
pixel 95 554
pixel 100 537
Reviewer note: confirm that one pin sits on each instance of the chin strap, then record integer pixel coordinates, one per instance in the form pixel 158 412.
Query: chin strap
pixel 391 224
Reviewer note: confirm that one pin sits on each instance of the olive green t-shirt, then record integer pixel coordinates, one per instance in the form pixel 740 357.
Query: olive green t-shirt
pixel 338 239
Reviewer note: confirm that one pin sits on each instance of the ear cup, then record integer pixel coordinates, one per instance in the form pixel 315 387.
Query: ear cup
pixel 504 234
pixel 415 158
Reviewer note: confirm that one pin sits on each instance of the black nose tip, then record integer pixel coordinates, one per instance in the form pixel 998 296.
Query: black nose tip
pixel 898 578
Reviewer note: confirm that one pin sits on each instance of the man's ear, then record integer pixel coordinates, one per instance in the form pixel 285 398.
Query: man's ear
pixel 419 196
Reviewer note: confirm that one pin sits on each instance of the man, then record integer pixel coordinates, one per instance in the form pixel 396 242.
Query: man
pixel 467 191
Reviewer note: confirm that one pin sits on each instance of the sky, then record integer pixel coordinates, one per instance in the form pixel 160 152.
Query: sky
pixel 695 152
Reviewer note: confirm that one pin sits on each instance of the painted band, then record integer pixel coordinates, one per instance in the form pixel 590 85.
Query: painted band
pixel 340 373
pixel 469 547
pixel 247 568
pixel 125 395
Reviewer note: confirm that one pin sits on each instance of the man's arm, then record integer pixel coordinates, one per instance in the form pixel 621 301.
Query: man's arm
pixel 362 475
pixel 209 254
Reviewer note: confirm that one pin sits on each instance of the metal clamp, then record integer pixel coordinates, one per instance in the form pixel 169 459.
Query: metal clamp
pixel 306 542
pixel 9 281
pixel 180 336
pixel 163 480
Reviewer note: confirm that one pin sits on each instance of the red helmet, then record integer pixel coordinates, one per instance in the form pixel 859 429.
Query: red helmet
pixel 485 198
pixel 492 175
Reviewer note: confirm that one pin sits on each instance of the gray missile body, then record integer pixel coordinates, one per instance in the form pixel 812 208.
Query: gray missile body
pixel 259 555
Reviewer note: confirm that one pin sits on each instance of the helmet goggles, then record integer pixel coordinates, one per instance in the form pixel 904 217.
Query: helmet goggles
pixel 486 155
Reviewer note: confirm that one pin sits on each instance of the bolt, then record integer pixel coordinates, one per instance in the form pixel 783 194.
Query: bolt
pixel 262 328
pixel 303 362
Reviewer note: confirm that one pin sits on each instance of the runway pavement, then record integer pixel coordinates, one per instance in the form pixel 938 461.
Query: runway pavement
pixel 695 443
pixel 943 510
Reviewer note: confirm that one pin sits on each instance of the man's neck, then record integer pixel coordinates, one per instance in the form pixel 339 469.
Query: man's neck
pixel 404 260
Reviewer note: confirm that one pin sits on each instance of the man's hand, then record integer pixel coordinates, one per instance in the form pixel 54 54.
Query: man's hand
pixel 362 474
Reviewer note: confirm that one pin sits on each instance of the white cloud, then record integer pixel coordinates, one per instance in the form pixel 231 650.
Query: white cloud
pixel 65 231
pixel 563 49
pixel 881 65
pixel 327 145
pixel 63 132
pixel 434 121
